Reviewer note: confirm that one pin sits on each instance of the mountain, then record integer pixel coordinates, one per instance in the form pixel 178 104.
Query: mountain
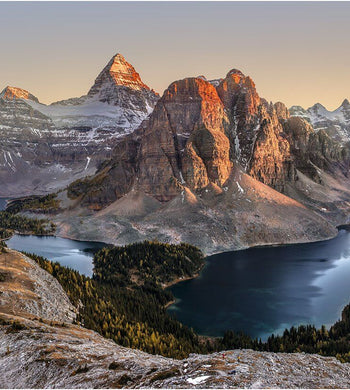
pixel 44 147
pixel 217 166
pixel 40 347
pixel 336 123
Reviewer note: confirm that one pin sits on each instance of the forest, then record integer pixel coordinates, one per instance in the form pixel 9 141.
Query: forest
pixel 11 221
pixel 304 338
pixel 133 313
pixel 147 262
pixel 47 204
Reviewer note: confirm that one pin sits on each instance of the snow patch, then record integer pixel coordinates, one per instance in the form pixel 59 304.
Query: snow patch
pixel 240 188
pixel 198 379
pixel 87 163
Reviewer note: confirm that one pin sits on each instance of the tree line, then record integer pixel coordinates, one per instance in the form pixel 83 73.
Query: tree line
pixel 304 338
pixel 46 204
pixel 10 222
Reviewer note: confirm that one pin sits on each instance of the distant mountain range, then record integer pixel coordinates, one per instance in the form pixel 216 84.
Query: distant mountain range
pixel 44 147
pixel 336 123
pixel 210 162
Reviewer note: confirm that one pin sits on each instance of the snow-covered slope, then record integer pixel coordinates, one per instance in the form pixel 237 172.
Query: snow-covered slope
pixel 44 147
pixel 336 123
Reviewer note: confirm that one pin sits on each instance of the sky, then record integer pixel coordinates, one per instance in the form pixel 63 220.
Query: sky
pixel 297 53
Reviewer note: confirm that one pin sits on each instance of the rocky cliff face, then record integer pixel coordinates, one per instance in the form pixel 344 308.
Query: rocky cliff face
pixel 119 77
pixel 68 139
pixel 44 354
pixel 198 132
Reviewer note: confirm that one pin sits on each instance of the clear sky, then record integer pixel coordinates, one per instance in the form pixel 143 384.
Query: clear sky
pixel 298 53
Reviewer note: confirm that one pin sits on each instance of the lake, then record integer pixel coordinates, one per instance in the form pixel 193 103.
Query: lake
pixel 258 290
pixel 2 203
pixel 265 290
pixel 67 252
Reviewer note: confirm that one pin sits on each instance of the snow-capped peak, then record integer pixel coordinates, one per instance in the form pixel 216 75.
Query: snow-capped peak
pixel 336 123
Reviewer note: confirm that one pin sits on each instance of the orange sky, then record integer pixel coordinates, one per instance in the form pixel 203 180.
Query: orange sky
pixel 297 53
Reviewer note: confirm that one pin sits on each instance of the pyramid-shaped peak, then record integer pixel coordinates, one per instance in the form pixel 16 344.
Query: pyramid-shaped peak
pixel 318 107
pixel 119 57
pixel 345 103
pixel 13 93
pixel 118 72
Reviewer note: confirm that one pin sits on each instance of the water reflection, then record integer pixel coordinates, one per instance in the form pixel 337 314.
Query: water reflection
pixel 265 290
pixel 67 252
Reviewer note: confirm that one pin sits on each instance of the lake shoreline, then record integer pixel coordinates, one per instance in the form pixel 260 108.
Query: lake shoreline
pixel 212 253
pixel 62 231
pixel 292 286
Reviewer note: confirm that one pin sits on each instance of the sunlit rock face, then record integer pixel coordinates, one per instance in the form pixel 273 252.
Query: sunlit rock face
pixel 200 129
pixel 121 85
pixel 184 140
pixel 13 93
pixel 255 130
pixel 120 73
pixel 66 140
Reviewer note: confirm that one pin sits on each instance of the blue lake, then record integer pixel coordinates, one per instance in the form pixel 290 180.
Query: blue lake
pixel 69 253
pixel 264 290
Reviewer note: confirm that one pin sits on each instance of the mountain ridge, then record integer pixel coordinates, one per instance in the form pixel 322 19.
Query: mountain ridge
pixel 183 159
pixel 336 123
pixel 66 140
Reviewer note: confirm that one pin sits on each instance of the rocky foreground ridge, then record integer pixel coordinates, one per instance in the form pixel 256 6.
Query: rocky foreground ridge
pixel 45 147
pixel 219 167
pixel 45 350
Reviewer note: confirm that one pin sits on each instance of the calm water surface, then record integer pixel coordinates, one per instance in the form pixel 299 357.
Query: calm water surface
pixel 265 290
pixel 67 252
pixel 2 203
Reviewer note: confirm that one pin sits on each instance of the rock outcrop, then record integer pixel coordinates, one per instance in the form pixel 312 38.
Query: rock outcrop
pixel 117 77
pixel 199 131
